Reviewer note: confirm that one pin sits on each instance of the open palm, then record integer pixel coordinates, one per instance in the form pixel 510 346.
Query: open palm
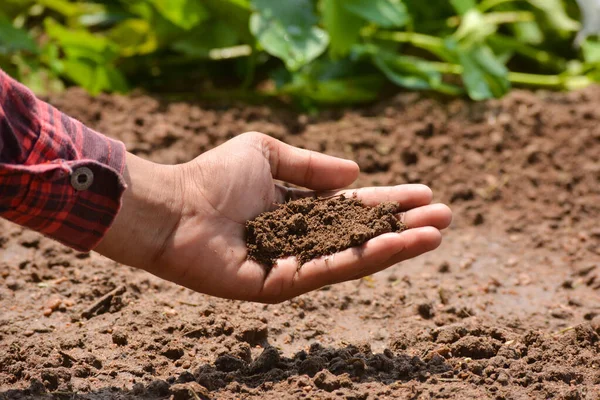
pixel 220 190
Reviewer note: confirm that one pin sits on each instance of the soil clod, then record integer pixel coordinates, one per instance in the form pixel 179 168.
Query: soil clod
pixel 311 228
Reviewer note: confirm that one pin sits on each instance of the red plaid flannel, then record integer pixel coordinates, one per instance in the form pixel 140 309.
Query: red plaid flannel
pixel 57 176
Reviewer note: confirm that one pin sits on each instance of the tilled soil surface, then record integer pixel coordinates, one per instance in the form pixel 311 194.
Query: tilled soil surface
pixel 507 308
pixel 311 228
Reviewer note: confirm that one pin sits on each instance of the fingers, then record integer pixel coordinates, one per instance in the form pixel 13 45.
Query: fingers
pixel 436 215
pixel 306 168
pixel 428 239
pixel 413 198
pixel 285 281
pixel 408 196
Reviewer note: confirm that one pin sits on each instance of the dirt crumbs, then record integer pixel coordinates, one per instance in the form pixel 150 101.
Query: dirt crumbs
pixel 507 308
pixel 311 228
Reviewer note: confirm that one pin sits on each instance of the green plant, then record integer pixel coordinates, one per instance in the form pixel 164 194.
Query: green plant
pixel 317 51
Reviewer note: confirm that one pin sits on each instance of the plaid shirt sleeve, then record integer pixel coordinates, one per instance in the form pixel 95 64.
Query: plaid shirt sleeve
pixel 57 176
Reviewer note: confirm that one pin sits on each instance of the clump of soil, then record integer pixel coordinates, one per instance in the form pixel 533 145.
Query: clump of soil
pixel 310 228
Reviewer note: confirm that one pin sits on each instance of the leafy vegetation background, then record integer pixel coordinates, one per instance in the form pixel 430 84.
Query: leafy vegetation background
pixel 314 51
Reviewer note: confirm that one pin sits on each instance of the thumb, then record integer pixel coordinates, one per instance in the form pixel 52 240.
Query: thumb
pixel 305 168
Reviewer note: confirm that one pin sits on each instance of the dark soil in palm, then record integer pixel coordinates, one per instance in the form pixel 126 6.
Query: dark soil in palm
pixel 507 308
pixel 310 228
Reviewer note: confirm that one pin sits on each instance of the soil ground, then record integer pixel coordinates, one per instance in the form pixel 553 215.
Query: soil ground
pixel 506 308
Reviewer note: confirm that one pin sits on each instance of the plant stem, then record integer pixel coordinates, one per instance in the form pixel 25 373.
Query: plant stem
pixel 550 81
pixel 447 68
pixel 227 53
pixel 497 18
pixel 521 78
pixel 417 39
pixel 432 44
pixel 536 80
pixel 540 56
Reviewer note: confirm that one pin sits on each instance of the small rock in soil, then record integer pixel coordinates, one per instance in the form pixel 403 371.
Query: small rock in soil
pixel 13 284
pixel 478 219
pixel 475 347
pixel 186 391
pixel 173 352
pixel 462 193
pixel 119 338
pixel 561 313
pixel 253 332
pixel 327 381
pixel 52 305
pixel 311 228
pixel 426 310
pixel 444 267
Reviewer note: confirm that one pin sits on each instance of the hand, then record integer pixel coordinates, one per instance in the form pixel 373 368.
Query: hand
pixel 186 223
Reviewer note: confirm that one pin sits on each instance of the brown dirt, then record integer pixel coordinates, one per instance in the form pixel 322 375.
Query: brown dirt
pixel 507 308
pixel 311 228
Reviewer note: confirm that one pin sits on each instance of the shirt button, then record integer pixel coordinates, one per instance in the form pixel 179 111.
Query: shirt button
pixel 82 178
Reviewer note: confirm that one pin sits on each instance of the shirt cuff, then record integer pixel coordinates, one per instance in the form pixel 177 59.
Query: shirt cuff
pixel 57 176
pixel 73 202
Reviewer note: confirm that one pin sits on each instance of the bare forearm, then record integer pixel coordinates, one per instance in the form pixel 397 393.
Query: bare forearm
pixel 149 212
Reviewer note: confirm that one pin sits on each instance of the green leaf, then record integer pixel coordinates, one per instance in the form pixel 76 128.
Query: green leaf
pixel 411 72
pixel 183 13
pixel 93 77
pixel 423 13
pixel 407 71
pixel 79 43
pixel 355 90
pixel 463 6
pixel 108 17
pixel 236 13
pixel 385 13
pixel 13 39
pixel 344 91
pixel 134 36
pixel 591 51
pixel 473 28
pixel 202 39
pixel 64 7
pixel 12 8
pixel 483 75
pixel 528 32
pixel 556 14
pixel 331 82
pixel 50 56
pixel 243 4
pixel 288 30
pixel 343 26
pixel 32 74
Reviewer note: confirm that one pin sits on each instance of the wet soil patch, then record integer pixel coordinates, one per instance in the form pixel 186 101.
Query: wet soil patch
pixel 310 228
